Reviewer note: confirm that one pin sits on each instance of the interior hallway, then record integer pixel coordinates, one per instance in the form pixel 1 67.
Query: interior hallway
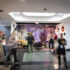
pixel 40 60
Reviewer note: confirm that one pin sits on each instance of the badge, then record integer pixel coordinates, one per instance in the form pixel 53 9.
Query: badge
pixel 61 46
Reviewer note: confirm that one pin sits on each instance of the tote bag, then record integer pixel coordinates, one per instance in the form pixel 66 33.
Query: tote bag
pixel 56 44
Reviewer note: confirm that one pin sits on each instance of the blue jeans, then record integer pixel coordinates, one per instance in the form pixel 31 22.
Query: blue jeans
pixel 6 50
pixel 30 47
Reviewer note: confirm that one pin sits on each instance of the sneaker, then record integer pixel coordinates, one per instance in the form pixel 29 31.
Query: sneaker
pixel 66 67
pixel 51 51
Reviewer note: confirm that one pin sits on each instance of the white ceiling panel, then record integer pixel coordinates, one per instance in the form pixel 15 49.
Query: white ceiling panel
pixel 53 6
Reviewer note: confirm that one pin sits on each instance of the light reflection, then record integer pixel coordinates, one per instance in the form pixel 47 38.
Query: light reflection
pixel 55 66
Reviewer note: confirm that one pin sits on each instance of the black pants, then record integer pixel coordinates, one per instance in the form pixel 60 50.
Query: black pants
pixel 51 45
pixel 4 50
pixel 64 58
pixel 14 53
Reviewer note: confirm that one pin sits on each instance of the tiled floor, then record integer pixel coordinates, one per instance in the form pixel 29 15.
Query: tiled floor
pixel 38 57
pixel 39 60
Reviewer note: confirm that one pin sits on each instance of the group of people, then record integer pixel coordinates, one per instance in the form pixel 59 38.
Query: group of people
pixel 58 44
pixel 7 48
pixel 55 43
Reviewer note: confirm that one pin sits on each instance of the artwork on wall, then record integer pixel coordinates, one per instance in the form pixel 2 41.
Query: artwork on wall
pixel 62 28
pixel 39 32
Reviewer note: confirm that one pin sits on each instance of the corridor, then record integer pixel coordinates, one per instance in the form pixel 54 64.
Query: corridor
pixel 41 60
pixel 38 60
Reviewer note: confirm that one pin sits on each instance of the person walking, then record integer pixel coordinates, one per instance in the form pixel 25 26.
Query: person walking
pixel 61 50
pixel 30 42
pixel 5 48
pixel 12 45
pixel 1 46
pixel 51 42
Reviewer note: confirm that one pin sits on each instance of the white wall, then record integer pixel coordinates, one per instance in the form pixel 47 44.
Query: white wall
pixel 67 31
pixel 67 25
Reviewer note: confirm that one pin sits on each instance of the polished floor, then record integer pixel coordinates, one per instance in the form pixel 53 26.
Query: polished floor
pixel 40 60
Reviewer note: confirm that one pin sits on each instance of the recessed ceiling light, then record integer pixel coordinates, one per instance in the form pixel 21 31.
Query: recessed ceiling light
pixel 38 14
pixel 48 17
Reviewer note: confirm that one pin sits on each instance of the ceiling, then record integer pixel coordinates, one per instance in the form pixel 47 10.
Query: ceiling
pixel 57 6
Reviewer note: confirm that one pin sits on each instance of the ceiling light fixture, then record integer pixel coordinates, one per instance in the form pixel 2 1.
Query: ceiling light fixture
pixel 37 14
pixel 61 16
pixel 47 17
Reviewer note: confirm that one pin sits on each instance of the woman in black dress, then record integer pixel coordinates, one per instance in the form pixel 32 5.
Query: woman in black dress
pixel 61 50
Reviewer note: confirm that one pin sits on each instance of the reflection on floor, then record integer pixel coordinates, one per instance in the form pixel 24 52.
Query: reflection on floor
pixel 40 60
pixel 38 57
